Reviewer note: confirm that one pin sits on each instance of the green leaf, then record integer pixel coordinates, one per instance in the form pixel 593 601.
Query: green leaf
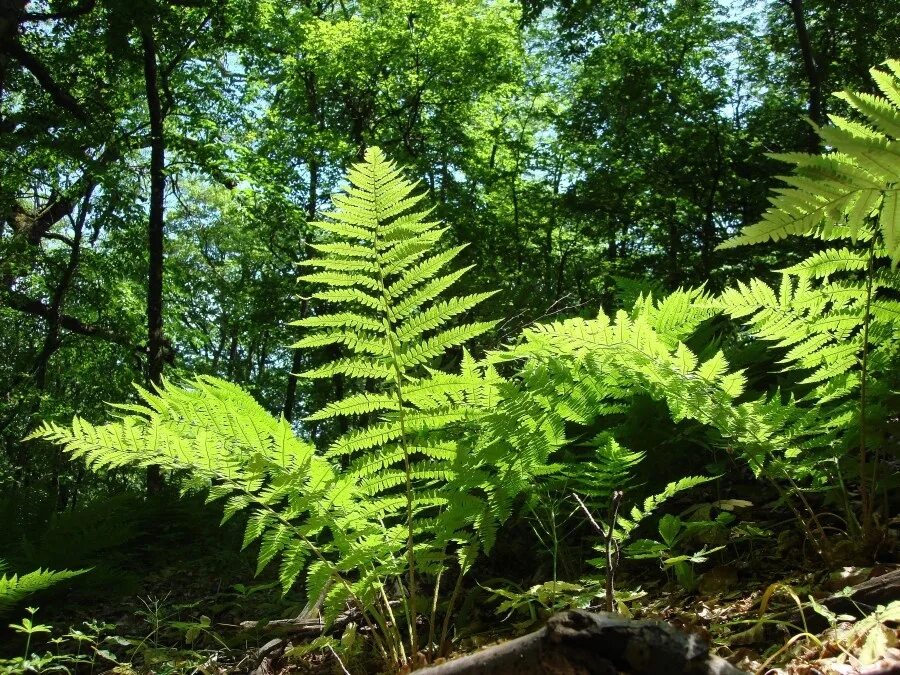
pixel 669 527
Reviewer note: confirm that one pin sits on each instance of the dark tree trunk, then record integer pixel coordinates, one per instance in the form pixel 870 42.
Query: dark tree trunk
pixel 290 397
pixel 54 318
pixel 312 203
pixel 517 233
pixel 220 347
pixel 233 354
pixel 673 249
pixel 815 108
pixel 155 339
pixel 708 239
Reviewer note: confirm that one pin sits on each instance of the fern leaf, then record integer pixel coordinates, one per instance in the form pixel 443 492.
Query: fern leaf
pixel 356 404
pixel 14 588
pixel 828 262
pixel 840 192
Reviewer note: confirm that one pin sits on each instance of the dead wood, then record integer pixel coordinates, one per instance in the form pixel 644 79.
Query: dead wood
pixel 302 626
pixel 875 591
pixel 581 643
pixel 862 600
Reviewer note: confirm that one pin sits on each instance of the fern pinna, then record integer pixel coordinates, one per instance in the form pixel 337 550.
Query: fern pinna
pixel 15 587
pixel 835 317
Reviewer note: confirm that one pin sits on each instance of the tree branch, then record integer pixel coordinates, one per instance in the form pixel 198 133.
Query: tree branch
pixel 60 96
pixel 80 9
pixel 26 305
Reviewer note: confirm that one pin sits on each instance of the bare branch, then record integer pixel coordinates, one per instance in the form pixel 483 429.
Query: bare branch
pixel 26 305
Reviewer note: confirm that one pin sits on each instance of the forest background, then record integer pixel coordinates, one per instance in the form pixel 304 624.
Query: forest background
pixel 161 163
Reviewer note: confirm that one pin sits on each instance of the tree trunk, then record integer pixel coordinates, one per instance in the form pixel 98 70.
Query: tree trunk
pixel 673 249
pixel 155 338
pixel 815 108
pixel 290 397
pixel 708 239
pixel 54 318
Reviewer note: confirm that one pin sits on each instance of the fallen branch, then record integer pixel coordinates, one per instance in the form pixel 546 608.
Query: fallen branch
pixel 303 626
pixel 580 642
pixel 862 600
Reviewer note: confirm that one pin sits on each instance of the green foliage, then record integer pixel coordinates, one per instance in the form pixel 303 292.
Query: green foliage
pixel 88 641
pixel 219 438
pixel 610 469
pixel 672 551
pixel 835 319
pixel 840 194
pixel 548 597
pixel 16 587
pixel 409 492
pixel 579 370
pixel 430 460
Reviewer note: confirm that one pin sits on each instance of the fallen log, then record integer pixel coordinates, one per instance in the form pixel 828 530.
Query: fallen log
pixel 878 590
pixel 576 642
pixel 861 600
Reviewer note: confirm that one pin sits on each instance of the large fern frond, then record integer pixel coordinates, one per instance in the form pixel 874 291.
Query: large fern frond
pixel 578 370
pixel 834 318
pixel 842 192
pixel 385 275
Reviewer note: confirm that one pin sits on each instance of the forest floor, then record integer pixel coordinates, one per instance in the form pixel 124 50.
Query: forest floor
pixel 179 614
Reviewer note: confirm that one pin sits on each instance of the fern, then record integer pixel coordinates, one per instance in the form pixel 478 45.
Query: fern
pixel 839 194
pixel 610 469
pixel 224 442
pixel 410 494
pixel 383 274
pixel 626 524
pixel 835 318
pixel 14 588
pixel 592 364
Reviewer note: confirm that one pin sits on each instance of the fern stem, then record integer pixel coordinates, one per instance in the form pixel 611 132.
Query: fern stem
pixel 401 419
pixel 864 492
pixel 852 522
pixel 434 605
pixel 399 652
pixel 821 544
pixel 445 628
pixel 812 512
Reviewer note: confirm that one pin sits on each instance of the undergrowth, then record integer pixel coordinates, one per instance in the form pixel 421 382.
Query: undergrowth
pixel 440 446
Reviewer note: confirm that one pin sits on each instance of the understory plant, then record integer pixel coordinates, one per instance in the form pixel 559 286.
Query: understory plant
pixel 833 322
pixel 16 587
pixel 830 330
pixel 432 459
pixel 376 520
pixel 88 654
